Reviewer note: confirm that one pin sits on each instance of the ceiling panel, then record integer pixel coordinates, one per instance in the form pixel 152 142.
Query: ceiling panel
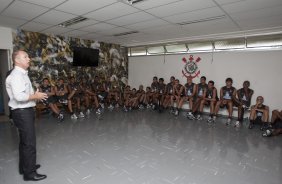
pixel 180 7
pixel 46 3
pixel 56 30
pixel 265 22
pixel 98 27
pixel 85 6
pixel 75 33
pixel 111 12
pixel 249 5
pixel 148 4
pixel 257 14
pixel 195 15
pixel 11 22
pixel 147 24
pixel 222 2
pixel 132 18
pixel 4 4
pixel 34 26
pixel 54 17
pixel 19 10
pixel 91 36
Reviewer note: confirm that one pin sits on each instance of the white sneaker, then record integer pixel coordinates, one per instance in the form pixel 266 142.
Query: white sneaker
pixel 228 121
pixel 237 124
pixel 81 115
pixel 209 119
pixel 176 112
pixel 73 116
pixel 60 117
pixel 98 111
pixel 102 105
pixel 87 112
pixel 199 117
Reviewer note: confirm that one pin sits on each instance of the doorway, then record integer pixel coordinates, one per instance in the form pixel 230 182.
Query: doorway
pixel 4 68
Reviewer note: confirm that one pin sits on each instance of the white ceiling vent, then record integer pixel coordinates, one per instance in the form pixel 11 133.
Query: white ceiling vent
pixel 202 20
pixel 73 21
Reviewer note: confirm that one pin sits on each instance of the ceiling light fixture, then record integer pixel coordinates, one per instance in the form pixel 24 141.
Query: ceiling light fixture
pixel 73 21
pixel 134 1
pixel 202 20
pixel 125 33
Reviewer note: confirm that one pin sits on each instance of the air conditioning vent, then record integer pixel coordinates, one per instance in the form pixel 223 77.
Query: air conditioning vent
pixel 202 20
pixel 73 21
pixel 126 33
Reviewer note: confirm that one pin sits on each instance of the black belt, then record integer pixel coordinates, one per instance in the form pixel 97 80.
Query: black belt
pixel 23 109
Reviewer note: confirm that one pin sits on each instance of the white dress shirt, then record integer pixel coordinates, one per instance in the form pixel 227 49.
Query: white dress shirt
pixel 19 89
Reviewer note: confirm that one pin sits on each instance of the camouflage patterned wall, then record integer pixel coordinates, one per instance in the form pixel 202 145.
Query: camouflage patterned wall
pixel 52 57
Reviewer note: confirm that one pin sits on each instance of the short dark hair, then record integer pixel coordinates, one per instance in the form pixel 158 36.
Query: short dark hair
pixel 203 77
pixel 155 77
pixel 212 82
pixel 229 80
pixel 161 79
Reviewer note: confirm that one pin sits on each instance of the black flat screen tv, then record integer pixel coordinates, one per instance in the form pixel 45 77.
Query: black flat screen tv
pixel 85 57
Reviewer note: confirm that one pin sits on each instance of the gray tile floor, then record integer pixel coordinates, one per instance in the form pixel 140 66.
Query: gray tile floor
pixel 145 147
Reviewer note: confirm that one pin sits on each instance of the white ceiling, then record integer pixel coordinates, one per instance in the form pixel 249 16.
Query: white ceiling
pixel 155 20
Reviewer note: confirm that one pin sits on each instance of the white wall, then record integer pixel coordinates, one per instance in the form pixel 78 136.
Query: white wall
pixel 262 68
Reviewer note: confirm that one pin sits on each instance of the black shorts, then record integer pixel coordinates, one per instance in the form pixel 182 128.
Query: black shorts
pixel 49 100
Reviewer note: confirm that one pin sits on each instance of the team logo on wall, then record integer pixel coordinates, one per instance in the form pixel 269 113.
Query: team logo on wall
pixel 191 68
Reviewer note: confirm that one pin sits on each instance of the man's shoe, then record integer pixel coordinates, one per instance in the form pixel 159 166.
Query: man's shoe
pixel 37 166
pixel 36 177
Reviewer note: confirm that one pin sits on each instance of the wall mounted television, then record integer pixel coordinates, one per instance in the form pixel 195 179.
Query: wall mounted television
pixel 85 57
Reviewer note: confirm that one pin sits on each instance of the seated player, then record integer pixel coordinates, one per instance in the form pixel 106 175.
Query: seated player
pixel 168 93
pixel 75 95
pixel 126 95
pixel 140 97
pixel 259 114
pixel 275 127
pixel 132 102
pixel 61 91
pixel 99 89
pixel 85 87
pixel 154 92
pixel 227 94
pixel 51 100
pixel 160 94
pixel 189 95
pixel 210 97
pixel 177 94
pixel 243 101
pixel 112 93
pixel 200 95
pixel 148 97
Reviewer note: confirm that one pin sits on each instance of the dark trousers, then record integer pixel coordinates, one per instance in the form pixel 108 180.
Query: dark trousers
pixel 24 121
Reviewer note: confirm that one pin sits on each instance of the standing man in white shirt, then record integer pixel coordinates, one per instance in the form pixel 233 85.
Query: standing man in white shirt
pixel 22 102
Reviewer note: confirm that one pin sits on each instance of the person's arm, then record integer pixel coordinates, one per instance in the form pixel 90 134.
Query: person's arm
pixel 214 94
pixel 195 90
pixel 19 92
pixel 221 94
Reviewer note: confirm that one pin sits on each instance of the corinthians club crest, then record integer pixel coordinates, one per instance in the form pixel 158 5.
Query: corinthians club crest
pixel 191 68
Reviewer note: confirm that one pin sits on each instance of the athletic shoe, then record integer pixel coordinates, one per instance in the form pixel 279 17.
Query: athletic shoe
pixel 101 97
pixel 190 116
pixel 176 113
pixel 73 116
pixel 141 107
pixel 199 117
pixel 125 109
pixel 81 115
pixel 171 111
pixel 60 117
pixel 87 112
pixel 148 106
pixel 228 121
pixel 111 107
pixel 251 125
pixel 237 124
pixel 102 105
pixel 63 101
pixel 267 133
pixel 209 119
pixel 98 111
